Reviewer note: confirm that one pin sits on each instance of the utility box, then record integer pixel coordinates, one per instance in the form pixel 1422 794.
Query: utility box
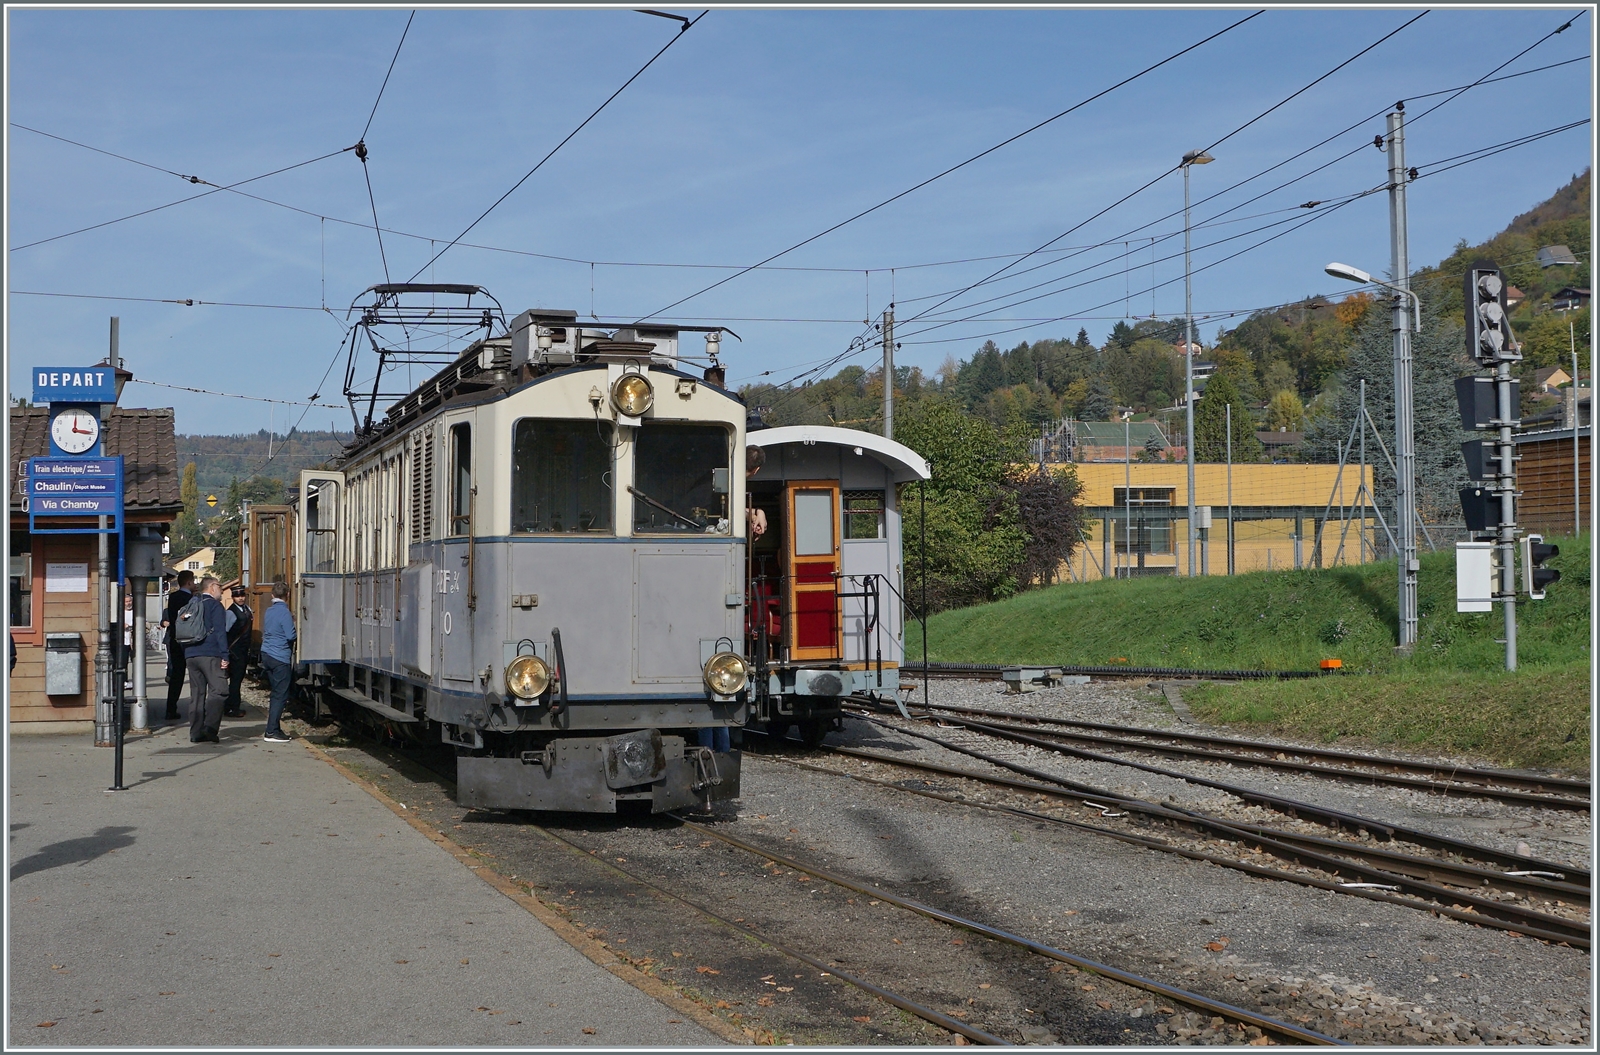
pixel 1475 576
pixel 63 664
pixel 1202 518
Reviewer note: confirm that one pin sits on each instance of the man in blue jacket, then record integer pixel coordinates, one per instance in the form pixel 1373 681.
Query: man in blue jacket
pixel 277 656
pixel 208 667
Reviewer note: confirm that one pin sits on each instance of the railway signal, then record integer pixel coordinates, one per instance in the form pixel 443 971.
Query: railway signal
pixel 1490 404
pixel 1535 577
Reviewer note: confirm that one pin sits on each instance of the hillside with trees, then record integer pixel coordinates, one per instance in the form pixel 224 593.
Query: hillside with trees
pixel 1295 367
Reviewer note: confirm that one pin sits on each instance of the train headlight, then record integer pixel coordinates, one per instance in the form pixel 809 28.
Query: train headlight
pixel 527 677
pixel 726 673
pixel 632 395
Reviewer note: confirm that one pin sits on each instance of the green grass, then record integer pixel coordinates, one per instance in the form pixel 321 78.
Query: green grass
pixel 1451 694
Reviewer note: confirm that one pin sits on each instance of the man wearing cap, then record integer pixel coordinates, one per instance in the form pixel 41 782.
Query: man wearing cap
pixel 238 651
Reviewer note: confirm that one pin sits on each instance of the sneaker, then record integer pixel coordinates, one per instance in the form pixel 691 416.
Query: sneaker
pixel 277 738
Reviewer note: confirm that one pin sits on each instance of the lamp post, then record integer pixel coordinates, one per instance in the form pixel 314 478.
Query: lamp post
pixel 1405 467
pixel 1193 157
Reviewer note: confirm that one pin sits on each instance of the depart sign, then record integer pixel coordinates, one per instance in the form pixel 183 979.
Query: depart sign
pixel 74 384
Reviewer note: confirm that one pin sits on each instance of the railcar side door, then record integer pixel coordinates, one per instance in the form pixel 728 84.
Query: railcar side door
pixel 319 595
pixel 812 572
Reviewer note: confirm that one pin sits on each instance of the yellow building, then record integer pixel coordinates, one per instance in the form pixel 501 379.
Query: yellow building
pixel 1282 516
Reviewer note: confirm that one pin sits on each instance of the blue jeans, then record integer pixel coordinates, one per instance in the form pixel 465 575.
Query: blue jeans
pixel 278 676
pixel 716 738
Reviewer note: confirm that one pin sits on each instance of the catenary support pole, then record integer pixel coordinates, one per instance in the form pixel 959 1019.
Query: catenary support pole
pixel 888 373
pixel 1229 416
pixel 1127 502
pixel 1188 361
pixel 1404 439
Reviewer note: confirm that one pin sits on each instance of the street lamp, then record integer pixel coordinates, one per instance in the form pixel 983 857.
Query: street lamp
pixel 1405 484
pixel 1355 274
pixel 1193 157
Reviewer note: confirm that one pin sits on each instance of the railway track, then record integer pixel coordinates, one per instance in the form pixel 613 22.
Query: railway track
pixel 1265 1023
pixel 1435 885
pixel 1519 788
pixel 1278 1029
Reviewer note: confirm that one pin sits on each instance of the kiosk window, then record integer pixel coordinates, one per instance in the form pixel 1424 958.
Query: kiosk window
pixel 561 476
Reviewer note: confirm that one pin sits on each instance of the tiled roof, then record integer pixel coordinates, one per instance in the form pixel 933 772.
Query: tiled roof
pixel 145 439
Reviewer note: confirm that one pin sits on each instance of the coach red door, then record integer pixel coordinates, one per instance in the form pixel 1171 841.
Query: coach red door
pixel 813 569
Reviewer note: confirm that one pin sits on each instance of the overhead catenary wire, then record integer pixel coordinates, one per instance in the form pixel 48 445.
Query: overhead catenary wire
pixel 216 189
pixel 684 28
pixel 960 165
pixel 225 395
pixel 1175 168
pixel 586 262
pixel 362 152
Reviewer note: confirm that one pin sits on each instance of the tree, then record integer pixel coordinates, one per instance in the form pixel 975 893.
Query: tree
pixel 1211 424
pixel 975 543
pixel 1098 403
pixel 1153 447
pixel 1438 356
pixel 1285 412
pixel 1048 513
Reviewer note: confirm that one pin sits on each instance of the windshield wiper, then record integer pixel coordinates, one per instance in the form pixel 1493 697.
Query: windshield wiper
pixel 691 521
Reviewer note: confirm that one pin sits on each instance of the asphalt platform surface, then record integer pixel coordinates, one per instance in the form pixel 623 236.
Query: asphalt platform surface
pixel 247 894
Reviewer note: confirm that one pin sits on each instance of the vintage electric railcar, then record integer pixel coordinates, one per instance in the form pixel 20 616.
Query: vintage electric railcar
pixel 825 582
pixel 538 557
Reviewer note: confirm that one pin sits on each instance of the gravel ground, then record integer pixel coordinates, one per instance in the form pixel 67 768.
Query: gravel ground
pixel 1363 971
pixel 1563 836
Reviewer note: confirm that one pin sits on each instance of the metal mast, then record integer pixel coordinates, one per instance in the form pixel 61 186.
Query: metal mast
pixel 1404 442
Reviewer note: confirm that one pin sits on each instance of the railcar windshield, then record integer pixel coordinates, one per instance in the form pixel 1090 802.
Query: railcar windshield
pixel 561 477
pixel 681 479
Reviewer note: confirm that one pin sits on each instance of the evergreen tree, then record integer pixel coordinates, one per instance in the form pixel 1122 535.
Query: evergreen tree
pixel 1099 404
pixel 1438 357
pixel 1083 338
pixel 1211 424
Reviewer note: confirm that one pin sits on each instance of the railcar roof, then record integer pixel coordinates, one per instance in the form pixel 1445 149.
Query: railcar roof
pixel 905 463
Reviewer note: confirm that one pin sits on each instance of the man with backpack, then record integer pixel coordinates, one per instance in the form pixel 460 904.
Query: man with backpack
pixel 201 627
pixel 175 660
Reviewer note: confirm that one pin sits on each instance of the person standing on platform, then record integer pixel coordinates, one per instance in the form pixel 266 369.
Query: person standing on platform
pixel 208 667
pixel 175 658
pixel 238 651
pixel 277 656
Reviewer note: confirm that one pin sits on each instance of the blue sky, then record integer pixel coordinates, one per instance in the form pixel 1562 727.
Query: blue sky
pixel 755 130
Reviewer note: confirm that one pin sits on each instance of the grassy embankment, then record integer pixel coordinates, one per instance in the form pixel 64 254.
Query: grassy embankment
pixel 1452 695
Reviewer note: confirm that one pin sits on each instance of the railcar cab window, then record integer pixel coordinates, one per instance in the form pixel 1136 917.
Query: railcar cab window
pixel 460 479
pixel 561 477
pixel 681 479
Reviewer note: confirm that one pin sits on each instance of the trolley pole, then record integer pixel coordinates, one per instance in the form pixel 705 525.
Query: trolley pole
pixel 1404 441
pixel 888 373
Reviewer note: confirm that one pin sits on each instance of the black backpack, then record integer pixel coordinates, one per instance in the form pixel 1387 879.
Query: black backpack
pixel 190 626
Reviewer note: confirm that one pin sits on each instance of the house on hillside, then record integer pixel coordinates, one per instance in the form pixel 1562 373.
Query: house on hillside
pixel 200 562
pixel 1514 296
pixel 1550 378
pixel 1279 445
pixel 1569 298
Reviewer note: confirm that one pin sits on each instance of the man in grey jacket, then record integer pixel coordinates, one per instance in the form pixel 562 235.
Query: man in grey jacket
pixel 208 667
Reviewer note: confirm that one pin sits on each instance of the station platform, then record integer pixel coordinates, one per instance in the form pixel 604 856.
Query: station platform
pixel 248 894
